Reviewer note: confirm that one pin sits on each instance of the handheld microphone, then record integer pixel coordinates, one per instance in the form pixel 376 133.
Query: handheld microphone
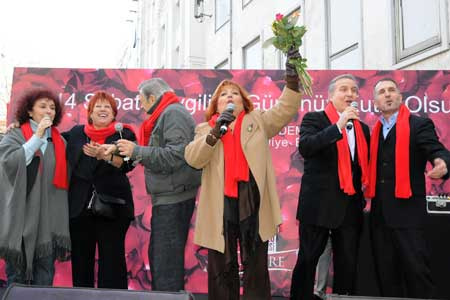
pixel 119 127
pixel 48 133
pixel 349 124
pixel 224 127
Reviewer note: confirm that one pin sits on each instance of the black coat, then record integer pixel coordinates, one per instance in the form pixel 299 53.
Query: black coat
pixel 321 200
pixel 424 146
pixel 87 171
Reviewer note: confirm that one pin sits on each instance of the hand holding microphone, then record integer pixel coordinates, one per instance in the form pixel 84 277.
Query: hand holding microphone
pixel 349 124
pixel 221 127
pixel 348 115
pixel 119 128
pixel 225 118
pixel 46 122
pixel 125 148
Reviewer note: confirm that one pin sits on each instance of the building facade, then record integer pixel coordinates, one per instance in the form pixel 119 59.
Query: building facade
pixel 342 34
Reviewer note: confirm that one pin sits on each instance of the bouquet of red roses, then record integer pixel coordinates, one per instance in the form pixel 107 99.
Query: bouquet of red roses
pixel 288 36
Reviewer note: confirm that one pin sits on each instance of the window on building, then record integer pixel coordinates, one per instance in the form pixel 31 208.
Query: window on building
pixel 222 65
pixel 222 12
pixel 344 34
pixel 281 59
pixel 245 3
pixel 252 54
pixel 417 26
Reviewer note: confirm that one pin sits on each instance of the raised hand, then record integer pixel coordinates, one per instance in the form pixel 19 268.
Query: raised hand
pixel 125 147
pixel 45 123
pixel 92 149
pixel 350 113
pixel 109 149
pixel 226 117
pixel 291 70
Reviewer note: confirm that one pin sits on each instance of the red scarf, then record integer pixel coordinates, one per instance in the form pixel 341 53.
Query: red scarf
pixel 100 135
pixel 236 166
pixel 60 179
pixel 402 180
pixel 344 160
pixel 147 126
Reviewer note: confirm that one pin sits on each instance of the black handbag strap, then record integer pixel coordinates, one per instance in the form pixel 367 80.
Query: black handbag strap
pixel 32 170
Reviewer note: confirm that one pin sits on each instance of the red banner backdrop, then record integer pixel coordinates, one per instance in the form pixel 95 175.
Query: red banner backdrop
pixel 426 93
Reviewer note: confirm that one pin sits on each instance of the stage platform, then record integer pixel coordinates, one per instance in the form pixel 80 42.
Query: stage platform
pixel 196 296
pixel 438 227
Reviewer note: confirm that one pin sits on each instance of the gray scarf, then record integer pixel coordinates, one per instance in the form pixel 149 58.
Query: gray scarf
pixel 41 221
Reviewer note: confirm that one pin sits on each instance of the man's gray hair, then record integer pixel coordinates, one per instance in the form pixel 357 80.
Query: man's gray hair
pixel 155 86
pixel 332 85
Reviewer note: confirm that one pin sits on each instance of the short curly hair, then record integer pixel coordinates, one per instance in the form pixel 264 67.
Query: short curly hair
pixel 101 96
pixel 29 98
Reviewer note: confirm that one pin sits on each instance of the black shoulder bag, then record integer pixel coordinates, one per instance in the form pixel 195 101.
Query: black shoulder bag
pixel 105 205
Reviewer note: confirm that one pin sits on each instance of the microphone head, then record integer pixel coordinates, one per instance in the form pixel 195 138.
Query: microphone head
pixel 118 127
pixel 354 104
pixel 230 106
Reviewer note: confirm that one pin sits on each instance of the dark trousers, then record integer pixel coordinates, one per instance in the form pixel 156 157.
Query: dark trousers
pixel 402 262
pixel 87 232
pixel 313 239
pixel 169 230
pixel 43 272
pixel 223 276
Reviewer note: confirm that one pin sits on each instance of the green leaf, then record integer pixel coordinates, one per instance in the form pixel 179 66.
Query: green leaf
pixel 302 30
pixel 294 19
pixel 289 26
pixel 269 42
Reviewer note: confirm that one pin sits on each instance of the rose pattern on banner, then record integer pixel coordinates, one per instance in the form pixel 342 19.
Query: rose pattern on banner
pixel 426 92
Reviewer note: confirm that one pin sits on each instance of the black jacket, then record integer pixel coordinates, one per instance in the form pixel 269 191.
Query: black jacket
pixel 424 146
pixel 87 171
pixel 321 200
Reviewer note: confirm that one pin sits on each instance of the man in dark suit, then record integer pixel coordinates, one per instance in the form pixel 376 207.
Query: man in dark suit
pixel 331 199
pixel 400 147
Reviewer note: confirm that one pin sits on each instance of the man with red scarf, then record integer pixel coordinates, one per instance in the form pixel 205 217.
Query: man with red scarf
pixel 170 181
pixel 331 201
pixel 400 146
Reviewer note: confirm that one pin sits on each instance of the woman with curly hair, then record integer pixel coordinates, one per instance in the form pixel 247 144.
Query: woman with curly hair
pixel 34 210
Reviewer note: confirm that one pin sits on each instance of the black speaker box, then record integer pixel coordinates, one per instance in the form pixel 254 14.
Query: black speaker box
pixel 27 292
pixel 437 228
pixel 343 297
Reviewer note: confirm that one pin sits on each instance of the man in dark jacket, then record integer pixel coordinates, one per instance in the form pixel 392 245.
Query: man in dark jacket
pixel 401 145
pixel 331 199
pixel 170 181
